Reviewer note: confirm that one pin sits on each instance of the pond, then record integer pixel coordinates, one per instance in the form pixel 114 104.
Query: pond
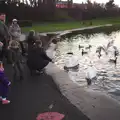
pixel 109 76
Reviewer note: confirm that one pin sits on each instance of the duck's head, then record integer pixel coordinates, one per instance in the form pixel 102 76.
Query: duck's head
pixel 90 46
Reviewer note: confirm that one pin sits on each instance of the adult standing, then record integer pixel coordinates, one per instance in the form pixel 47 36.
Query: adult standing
pixel 15 32
pixel 4 38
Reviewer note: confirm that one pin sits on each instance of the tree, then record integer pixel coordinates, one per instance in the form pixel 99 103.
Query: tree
pixel 110 4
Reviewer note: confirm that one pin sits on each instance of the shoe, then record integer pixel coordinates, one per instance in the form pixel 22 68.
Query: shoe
pixel 5 102
pixel 21 77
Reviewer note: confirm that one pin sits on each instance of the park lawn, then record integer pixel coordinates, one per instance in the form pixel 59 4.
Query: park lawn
pixel 59 26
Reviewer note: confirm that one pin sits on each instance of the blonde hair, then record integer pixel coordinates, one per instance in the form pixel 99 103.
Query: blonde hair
pixel 14 44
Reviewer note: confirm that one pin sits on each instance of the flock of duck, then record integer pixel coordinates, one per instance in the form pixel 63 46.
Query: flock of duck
pixel 91 72
pixel 104 49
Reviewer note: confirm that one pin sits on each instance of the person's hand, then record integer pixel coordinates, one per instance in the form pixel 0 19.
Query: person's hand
pixel 9 83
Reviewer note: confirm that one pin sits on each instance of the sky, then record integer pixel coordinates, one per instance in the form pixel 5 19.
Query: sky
pixel 99 1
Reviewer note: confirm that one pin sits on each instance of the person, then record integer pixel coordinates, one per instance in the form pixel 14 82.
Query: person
pixel 31 39
pixel 15 32
pixel 37 58
pixel 4 85
pixel 4 38
pixel 16 58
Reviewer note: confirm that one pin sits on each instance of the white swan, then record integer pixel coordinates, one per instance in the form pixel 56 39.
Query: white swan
pixel 91 74
pixel 51 51
pixel 71 62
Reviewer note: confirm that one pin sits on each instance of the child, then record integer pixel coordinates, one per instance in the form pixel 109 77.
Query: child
pixel 4 84
pixel 16 58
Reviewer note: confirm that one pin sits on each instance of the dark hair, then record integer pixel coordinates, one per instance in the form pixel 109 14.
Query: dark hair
pixel 31 33
pixel 38 42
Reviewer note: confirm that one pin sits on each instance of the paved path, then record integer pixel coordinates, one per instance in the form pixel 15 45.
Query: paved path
pixel 34 95
pixel 95 105
pixel 64 32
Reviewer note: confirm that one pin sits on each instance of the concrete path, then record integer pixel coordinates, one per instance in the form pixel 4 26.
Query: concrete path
pixel 35 95
pixel 64 32
pixel 95 105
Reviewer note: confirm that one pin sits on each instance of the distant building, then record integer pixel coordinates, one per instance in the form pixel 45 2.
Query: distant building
pixel 70 4
pixel 64 4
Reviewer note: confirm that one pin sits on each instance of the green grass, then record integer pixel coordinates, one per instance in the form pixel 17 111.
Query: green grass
pixel 51 27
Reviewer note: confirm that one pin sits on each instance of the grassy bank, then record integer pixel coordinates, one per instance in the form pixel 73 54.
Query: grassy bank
pixel 59 26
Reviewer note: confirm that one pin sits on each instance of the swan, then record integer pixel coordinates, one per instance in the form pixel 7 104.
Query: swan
pixel 91 74
pixel 84 52
pixel 71 62
pixel 51 50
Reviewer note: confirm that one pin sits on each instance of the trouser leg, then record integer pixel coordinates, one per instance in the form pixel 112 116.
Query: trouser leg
pixel 19 66
pixel 5 92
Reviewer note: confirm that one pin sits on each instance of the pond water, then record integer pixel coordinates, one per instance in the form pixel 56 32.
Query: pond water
pixel 108 75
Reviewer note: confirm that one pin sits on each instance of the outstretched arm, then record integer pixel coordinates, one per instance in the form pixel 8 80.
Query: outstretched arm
pixel 45 56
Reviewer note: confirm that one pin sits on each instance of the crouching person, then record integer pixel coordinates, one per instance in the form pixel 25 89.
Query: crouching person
pixel 16 59
pixel 4 85
pixel 37 58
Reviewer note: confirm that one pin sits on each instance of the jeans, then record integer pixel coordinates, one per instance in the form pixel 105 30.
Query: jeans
pixel 22 47
pixel 17 70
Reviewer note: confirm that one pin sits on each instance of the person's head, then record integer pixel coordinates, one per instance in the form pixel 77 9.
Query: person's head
pixel 38 43
pixel 14 21
pixel 31 33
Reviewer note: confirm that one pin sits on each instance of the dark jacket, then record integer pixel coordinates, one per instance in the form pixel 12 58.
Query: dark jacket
pixel 4 33
pixel 15 55
pixel 37 58
pixel 30 41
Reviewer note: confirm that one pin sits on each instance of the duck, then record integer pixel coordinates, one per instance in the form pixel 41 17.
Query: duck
pixel 70 53
pixel 84 52
pixel 113 60
pixel 89 47
pixel 116 52
pixel 80 47
pixel 99 54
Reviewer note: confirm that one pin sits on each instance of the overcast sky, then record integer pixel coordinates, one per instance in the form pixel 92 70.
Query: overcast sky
pixel 99 1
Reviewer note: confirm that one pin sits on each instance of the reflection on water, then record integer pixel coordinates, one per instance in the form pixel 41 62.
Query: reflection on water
pixel 108 75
